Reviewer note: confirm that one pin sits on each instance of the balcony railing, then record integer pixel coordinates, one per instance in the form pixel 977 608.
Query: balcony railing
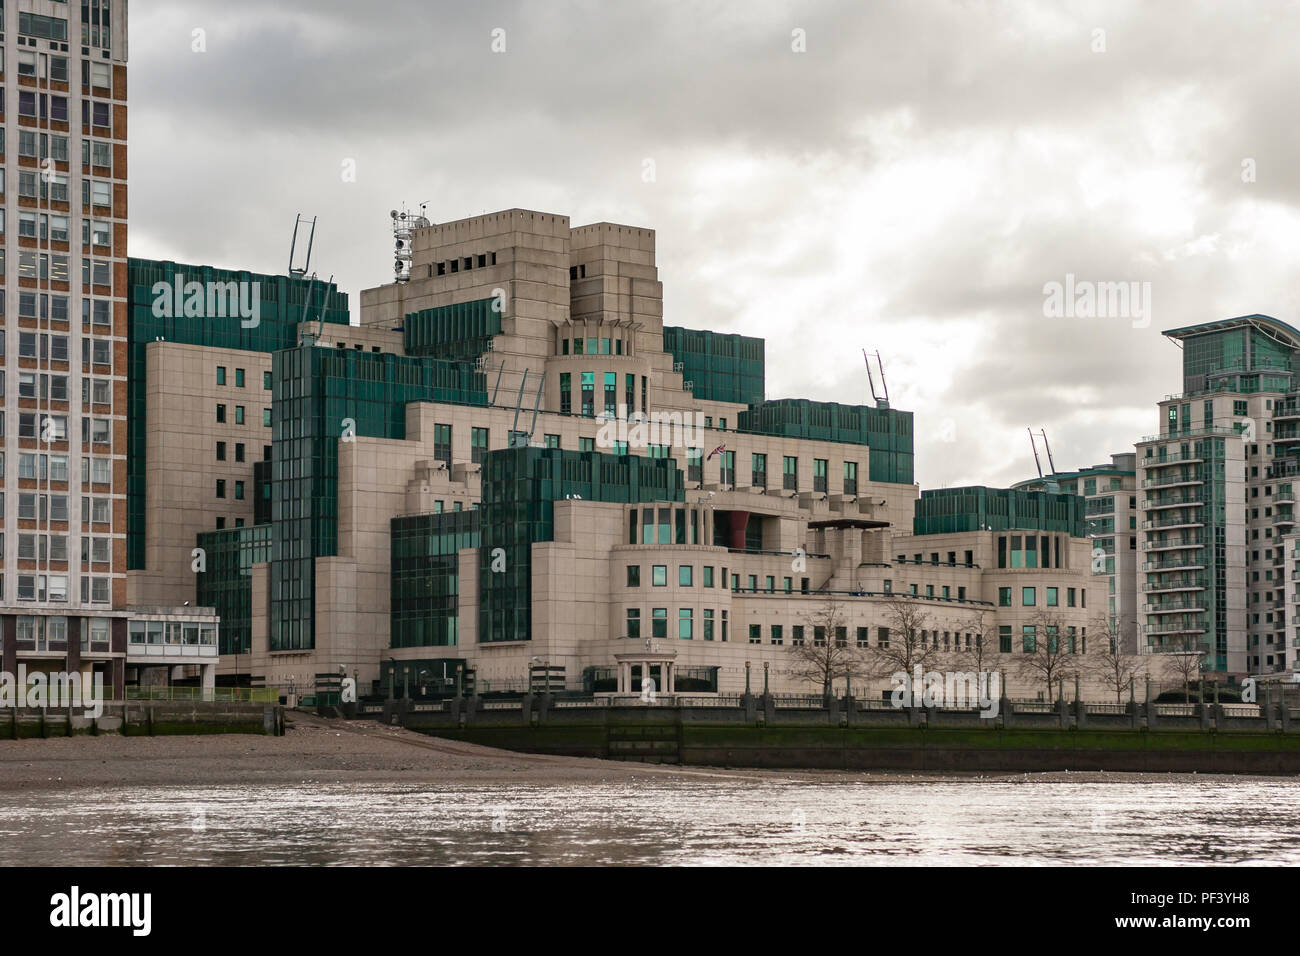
pixel 1174 607
pixel 1184 564
pixel 1175 544
pixel 1156 461
pixel 1185 584
pixel 1170 627
pixel 1194 500
pixel 1170 480
pixel 1193 433
pixel 1172 523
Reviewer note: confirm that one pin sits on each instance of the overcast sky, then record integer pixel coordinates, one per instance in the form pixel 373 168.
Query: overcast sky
pixel 909 182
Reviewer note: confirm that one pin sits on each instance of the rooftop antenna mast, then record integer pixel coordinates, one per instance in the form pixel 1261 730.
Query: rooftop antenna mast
pixel 881 400
pixel 293 246
pixel 1032 444
pixel 300 272
pixel 1051 464
pixel 520 439
pixel 320 319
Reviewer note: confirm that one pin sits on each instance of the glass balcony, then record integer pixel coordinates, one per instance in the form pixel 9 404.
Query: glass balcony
pixel 1175 544
pixel 1194 499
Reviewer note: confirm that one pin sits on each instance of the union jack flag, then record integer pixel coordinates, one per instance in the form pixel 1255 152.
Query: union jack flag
pixel 716 451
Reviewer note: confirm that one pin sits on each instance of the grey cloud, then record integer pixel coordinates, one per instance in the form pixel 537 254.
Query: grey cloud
pixel 228 145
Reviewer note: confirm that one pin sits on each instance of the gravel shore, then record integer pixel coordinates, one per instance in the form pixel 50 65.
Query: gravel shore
pixel 317 751
pixel 311 751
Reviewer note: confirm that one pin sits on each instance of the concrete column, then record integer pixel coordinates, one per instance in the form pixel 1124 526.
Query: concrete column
pixel 117 644
pixel 739 520
pixel 117 668
pixel 74 644
pixel 9 640
pixel 209 680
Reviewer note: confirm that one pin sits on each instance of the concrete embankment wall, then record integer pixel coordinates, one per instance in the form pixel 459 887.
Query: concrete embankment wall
pixel 145 718
pixel 933 743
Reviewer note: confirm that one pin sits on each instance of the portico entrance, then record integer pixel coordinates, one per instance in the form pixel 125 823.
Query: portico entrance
pixel 655 662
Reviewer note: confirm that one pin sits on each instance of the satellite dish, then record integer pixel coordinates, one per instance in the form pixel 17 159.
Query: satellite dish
pixel 393 213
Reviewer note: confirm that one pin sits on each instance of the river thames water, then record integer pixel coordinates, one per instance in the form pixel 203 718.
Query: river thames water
pixel 1189 819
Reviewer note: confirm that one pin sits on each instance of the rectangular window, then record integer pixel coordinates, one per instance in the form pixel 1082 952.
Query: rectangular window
pixel 727 468
pixel 634 622
pixel 1004 638
pixel 685 624
pixel 1027 597
pixel 819 474
pixel 684 575
pixel 634 575
pixel 1004 597
pixel 790 473
pixel 611 390
pixel 478 443
pixel 659 575
pixel 659 622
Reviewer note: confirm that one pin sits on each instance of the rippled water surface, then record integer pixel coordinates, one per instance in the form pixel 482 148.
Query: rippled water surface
pixel 1186 820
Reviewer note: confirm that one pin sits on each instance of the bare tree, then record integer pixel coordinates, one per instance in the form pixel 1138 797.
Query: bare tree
pixel 822 658
pixel 906 646
pixel 984 649
pixel 1114 666
pixel 1184 653
pixel 1051 658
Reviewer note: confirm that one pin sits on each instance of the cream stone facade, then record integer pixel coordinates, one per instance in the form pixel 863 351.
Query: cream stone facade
pixel 782 522
pixel 205 434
